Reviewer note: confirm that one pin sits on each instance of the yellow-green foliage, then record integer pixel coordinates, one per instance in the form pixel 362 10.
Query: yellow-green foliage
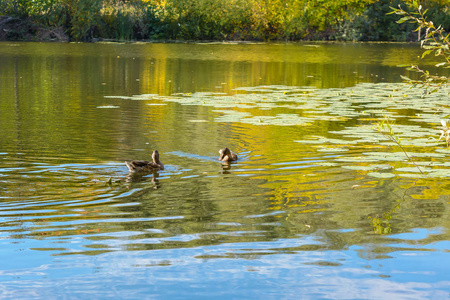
pixel 270 19
pixel 84 16
pixel 223 19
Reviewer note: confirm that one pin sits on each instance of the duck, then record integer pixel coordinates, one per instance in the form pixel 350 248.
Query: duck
pixel 146 166
pixel 226 155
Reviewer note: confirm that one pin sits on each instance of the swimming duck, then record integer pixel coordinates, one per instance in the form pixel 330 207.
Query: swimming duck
pixel 226 155
pixel 146 166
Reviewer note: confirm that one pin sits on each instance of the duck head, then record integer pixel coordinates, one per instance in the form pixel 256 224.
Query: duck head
pixel 227 155
pixel 155 156
pixel 223 152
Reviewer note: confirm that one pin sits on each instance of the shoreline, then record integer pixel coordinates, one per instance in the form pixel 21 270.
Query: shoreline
pixel 14 29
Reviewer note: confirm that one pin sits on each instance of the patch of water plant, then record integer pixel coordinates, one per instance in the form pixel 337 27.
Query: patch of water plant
pixel 354 111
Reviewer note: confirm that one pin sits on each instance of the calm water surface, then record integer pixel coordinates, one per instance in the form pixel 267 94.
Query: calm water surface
pixel 319 204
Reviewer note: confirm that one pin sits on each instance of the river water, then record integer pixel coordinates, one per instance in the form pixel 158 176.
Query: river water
pixel 319 205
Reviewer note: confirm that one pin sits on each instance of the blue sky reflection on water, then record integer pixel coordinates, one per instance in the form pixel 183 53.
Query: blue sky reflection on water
pixel 180 273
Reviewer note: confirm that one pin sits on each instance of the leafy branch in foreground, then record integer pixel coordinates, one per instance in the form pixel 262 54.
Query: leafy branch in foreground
pixel 385 128
pixel 445 132
pixel 435 40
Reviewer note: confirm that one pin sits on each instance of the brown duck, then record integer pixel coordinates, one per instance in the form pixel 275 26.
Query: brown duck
pixel 226 155
pixel 146 166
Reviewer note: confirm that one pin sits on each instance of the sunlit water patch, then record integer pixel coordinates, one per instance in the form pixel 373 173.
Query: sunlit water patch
pixel 355 110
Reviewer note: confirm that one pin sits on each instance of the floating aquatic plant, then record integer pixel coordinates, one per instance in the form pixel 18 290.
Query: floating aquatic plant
pixel 108 106
pixel 381 175
pixel 341 118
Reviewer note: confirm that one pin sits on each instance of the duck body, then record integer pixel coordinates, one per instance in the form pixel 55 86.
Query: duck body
pixel 226 155
pixel 146 166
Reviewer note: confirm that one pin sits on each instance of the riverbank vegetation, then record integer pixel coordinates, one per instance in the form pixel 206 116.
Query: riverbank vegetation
pixel 235 20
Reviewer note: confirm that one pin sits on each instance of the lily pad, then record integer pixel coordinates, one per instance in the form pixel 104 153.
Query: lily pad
pixel 413 169
pixel 440 173
pixel 280 119
pixel 369 167
pixel 381 175
pixel 198 121
pixel 328 149
pixel 108 106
